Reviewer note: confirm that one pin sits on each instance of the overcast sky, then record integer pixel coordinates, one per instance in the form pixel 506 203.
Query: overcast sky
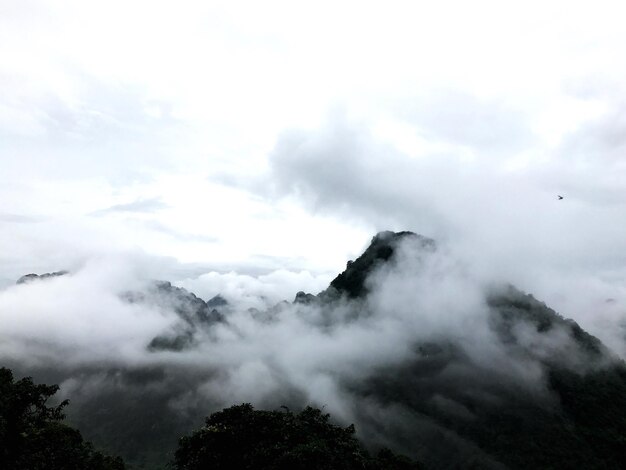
pixel 279 136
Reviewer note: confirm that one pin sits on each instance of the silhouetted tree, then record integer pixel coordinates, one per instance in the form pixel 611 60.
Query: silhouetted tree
pixel 32 436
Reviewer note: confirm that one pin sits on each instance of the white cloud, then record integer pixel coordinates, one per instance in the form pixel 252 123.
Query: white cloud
pixel 460 120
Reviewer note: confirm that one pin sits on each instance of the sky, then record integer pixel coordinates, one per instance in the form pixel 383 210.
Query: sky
pixel 264 143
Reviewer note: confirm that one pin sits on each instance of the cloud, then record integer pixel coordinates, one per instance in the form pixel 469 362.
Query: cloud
pixel 492 211
pixel 73 318
pixel 84 122
pixel 256 291
pixel 139 206
pixel 18 219
pixel 189 237
pixel 454 117
pixel 425 321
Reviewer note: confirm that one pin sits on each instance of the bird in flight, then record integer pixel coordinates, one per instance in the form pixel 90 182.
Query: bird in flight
pixel 559 196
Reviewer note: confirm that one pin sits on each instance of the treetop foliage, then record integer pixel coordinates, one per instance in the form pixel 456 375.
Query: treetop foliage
pixel 32 436
pixel 244 438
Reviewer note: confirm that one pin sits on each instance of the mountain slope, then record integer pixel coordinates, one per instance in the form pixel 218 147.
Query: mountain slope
pixel 572 418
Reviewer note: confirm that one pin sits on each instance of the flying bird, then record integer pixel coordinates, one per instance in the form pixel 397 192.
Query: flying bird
pixel 559 196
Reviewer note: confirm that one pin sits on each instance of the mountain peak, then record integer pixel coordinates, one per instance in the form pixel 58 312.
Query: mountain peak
pixel 351 282
pixel 35 277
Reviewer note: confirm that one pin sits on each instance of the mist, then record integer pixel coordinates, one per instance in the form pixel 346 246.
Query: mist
pixel 426 311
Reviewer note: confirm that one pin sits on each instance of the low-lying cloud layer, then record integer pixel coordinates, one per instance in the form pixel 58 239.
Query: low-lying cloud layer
pixel 427 318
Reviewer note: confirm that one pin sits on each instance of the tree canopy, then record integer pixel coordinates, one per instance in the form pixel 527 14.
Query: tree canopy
pixel 244 438
pixel 32 435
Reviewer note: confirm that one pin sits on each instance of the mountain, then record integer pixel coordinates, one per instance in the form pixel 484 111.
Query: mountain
pixel 469 377
pixel 35 277
pixel 195 314
pixel 352 281
pixel 488 419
